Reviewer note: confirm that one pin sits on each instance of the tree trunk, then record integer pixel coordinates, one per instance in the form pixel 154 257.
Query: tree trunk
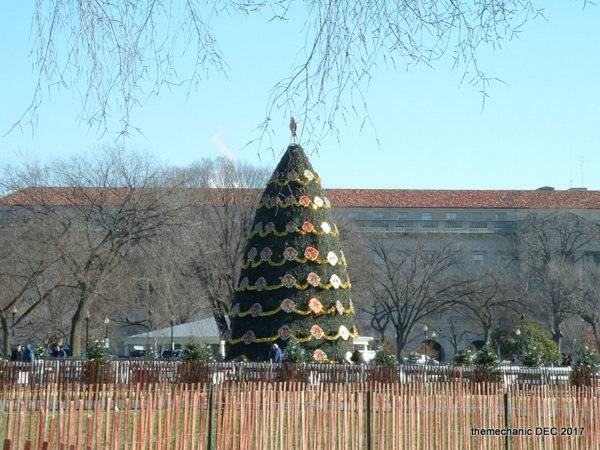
pixel 400 344
pixel 556 334
pixel 6 336
pixel 221 323
pixel 77 324
pixel 487 334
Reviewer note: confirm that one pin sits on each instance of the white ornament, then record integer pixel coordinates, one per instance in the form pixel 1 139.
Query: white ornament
pixel 335 281
pixel 325 227
pixel 332 258
pixel 318 201
pixel 344 332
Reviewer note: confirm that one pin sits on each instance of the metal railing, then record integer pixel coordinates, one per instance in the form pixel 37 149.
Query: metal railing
pixel 149 371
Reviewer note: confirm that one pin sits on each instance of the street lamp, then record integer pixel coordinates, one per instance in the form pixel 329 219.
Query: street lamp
pixel 87 330
pixel 425 330
pixel 148 333
pixel 106 322
pixel 172 341
pixel 518 332
pixel 14 313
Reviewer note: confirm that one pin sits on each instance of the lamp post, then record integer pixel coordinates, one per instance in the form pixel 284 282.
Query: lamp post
pixel 425 330
pixel 87 331
pixel 172 341
pixel 106 322
pixel 14 314
pixel 150 324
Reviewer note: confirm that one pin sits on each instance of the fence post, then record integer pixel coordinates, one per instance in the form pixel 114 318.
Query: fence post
pixel 369 431
pixel 210 417
pixel 507 424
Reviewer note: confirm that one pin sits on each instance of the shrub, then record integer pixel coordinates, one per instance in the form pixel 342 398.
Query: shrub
pixel 384 357
pixel 534 344
pixel 464 356
pixel 98 353
pixel 97 369
pixel 585 367
pixel 194 352
pixel 486 366
pixel 532 356
pixel 295 353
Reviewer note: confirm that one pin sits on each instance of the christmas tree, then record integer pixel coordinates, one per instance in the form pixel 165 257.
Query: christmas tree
pixel 293 284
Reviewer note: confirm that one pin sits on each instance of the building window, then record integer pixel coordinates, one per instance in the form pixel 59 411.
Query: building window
pixel 353 215
pixel 403 215
pixel 478 224
pixel 500 216
pixel 426 216
pixel 478 258
pixel 451 216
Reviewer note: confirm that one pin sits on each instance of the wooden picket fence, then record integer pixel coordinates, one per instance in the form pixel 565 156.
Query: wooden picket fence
pixel 294 416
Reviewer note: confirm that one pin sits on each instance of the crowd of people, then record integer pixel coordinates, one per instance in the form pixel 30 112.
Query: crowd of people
pixel 26 353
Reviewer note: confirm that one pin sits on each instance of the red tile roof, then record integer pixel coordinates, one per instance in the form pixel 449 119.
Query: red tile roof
pixel 429 198
pixel 352 198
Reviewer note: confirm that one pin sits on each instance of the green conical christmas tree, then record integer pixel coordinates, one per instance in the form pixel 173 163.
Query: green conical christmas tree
pixel 294 283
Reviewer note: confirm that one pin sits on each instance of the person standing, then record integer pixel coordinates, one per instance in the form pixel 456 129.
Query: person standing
pixel 59 352
pixel 17 353
pixel 29 354
pixel 276 355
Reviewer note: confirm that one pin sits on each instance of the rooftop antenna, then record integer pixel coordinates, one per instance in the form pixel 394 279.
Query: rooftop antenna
pixel 582 162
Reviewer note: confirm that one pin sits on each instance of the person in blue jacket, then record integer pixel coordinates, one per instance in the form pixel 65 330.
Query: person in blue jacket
pixel 276 354
pixel 29 354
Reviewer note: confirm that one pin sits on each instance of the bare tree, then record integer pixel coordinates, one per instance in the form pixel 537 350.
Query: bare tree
pixel 491 292
pixel 413 283
pixel 217 234
pixel 26 274
pixel 550 249
pixel 108 206
pixel 587 303
pixel 116 53
pixel 453 330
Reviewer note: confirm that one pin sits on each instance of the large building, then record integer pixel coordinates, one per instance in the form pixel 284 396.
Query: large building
pixel 482 223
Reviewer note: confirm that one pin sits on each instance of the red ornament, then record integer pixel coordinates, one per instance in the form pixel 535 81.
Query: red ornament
pixel 304 200
pixel 316 331
pixel 315 305
pixel 288 305
pixel 311 253
pixel 313 279
pixel 290 253
pixel 266 253
pixel 308 227
pixel 319 355
pixel 284 332
pixel 288 280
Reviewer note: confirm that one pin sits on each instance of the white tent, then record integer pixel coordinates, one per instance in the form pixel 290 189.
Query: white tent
pixel 203 331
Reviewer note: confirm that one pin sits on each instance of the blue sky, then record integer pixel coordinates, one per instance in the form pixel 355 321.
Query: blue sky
pixel 540 128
